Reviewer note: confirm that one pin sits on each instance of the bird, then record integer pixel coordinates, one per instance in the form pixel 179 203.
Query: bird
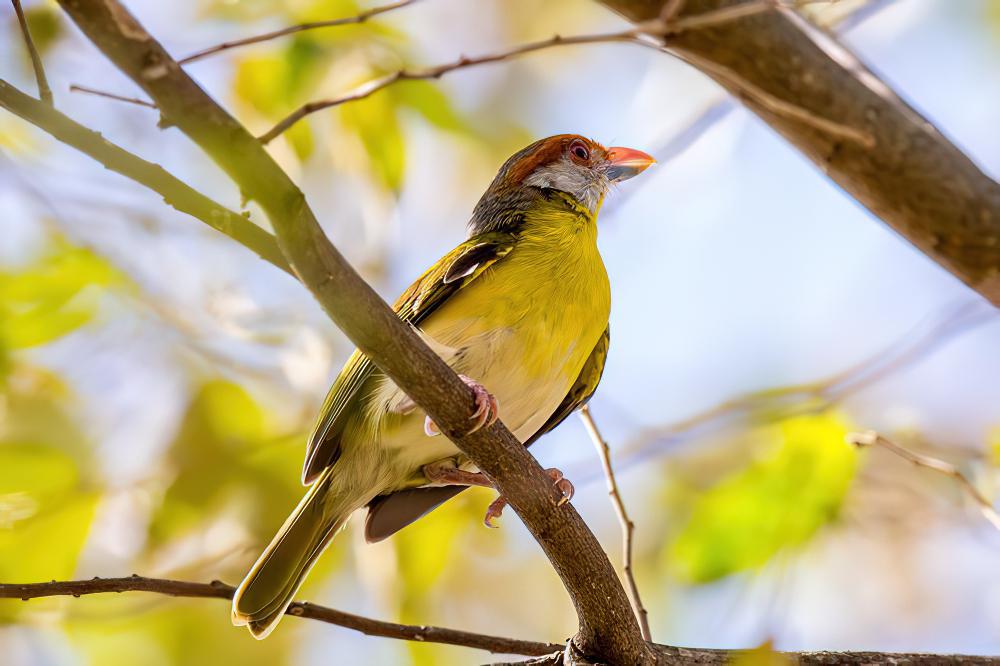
pixel 519 310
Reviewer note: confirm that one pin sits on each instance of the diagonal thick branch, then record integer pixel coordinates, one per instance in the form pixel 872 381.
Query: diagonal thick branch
pixel 175 192
pixel 219 590
pixel 644 34
pixel 917 181
pixel 606 625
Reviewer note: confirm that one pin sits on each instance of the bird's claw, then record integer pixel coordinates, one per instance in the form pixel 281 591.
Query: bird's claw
pixel 487 409
pixel 496 507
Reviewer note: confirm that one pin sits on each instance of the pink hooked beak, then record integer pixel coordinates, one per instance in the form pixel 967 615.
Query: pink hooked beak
pixel 623 163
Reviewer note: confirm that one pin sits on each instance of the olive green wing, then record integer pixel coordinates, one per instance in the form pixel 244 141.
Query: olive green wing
pixel 582 389
pixel 446 277
pixel 387 514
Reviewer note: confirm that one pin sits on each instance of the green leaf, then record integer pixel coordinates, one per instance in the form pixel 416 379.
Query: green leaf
pixel 276 82
pixel 54 296
pixel 45 24
pixel 779 501
pixel 45 516
pixel 433 105
pixel 222 450
pixel 129 629
pixel 375 121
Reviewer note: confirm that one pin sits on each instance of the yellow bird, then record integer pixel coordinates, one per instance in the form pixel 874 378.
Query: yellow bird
pixel 520 308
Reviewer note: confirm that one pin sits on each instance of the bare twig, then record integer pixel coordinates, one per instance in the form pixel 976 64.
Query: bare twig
pixel 628 527
pixel 175 192
pixel 108 95
pixel 219 590
pixel 815 396
pixel 872 438
pixel 371 87
pixel 44 91
pixel 638 35
pixel 291 30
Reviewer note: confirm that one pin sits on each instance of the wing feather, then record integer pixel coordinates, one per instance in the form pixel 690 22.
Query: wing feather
pixel 387 514
pixel 453 272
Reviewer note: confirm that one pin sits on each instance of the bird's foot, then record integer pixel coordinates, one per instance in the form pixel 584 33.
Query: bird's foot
pixel 446 473
pixel 495 509
pixel 487 409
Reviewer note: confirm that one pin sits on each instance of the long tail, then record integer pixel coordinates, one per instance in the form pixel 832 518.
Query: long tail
pixel 265 593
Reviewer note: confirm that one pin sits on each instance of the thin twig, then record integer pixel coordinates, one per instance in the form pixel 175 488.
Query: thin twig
pixel 872 438
pixel 371 87
pixel 120 98
pixel 44 91
pixel 219 590
pixel 818 395
pixel 641 35
pixel 290 30
pixel 175 192
pixel 628 527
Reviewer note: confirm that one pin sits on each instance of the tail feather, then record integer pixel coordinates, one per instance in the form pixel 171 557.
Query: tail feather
pixel 265 593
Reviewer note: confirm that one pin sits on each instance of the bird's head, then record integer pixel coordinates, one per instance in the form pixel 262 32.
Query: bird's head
pixel 568 163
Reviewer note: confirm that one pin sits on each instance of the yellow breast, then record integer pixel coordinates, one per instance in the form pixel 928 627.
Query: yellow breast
pixel 525 327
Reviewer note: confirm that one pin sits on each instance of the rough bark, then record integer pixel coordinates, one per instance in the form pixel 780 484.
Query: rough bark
pixel 219 590
pixel 607 627
pixel 676 656
pixel 913 178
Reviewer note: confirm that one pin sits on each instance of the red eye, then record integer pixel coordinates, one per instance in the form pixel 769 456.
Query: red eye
pixel 578 150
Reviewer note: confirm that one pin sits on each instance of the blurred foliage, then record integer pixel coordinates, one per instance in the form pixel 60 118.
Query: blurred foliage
pixel 221 448
pixel 47 493
pixel 160 631
pixel 426 554
pixel 283 74
pixel 54 295
pixel 46 24
pixel 794 486
pixel 764 655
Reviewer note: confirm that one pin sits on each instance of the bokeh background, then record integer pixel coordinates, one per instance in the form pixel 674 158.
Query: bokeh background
pixel 157 380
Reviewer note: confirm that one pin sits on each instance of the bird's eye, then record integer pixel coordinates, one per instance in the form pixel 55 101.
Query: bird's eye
pixel 579 151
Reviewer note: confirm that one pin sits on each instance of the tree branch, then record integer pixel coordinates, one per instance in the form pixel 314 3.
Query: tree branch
pixel 675 656
pixel 628 527
pixel 915 179
pixel 656 28
pixel 219 590
pixel 871 438
pixel 291 30
pixel 44 91
pixel 551 654
pixel 176 193
pixel 607 627
pixel 369 88
pixel 118 98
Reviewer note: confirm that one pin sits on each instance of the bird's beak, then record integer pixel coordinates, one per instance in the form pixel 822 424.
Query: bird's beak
pixel 623 163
